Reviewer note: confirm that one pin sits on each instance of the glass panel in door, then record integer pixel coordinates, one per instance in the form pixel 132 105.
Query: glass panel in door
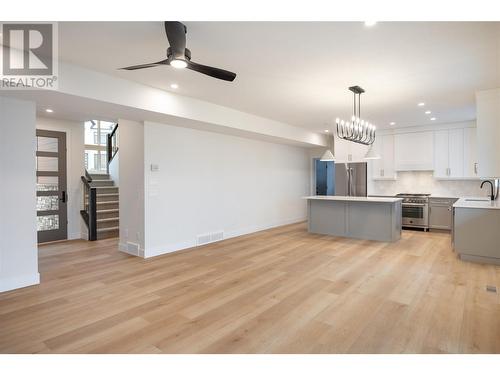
pixel 51 197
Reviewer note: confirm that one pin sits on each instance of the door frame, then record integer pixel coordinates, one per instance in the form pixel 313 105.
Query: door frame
pixel 62 232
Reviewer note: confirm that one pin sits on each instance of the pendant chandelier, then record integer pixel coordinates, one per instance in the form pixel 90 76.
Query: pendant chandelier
pixel 356 130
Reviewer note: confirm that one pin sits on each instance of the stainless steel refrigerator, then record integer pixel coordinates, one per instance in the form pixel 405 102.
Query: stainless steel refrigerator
pixel 340 178
pixel 350 179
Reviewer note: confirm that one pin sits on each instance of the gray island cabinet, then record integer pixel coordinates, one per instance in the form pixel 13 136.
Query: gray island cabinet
pixel 476 230
pixel 367 218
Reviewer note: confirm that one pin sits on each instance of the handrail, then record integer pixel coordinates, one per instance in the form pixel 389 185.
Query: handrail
pixel 88 177
pixel 89 212
pixel 112 146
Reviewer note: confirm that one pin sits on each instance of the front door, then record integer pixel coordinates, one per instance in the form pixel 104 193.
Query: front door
pixel 51 194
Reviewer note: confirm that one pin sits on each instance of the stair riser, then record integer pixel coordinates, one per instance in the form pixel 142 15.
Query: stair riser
pixel 98 183
pixel 107 206
pixel 110 234
pixel 106 215
pixel 100 177
pixel 108 224
pixel 109 190
pixel 107 198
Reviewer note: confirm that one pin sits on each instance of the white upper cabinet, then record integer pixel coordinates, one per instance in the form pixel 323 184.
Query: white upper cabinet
pixel 414 151
pixel 383 168
pixel 441 154
pixel 456 153
pixel 471 166
pixel 449 153
pixel 488 133
pixel 349 152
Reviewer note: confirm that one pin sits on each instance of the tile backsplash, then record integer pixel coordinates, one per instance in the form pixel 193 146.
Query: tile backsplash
pixel 424 182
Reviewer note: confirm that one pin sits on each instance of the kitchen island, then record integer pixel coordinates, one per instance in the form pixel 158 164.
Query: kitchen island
pixel 367 218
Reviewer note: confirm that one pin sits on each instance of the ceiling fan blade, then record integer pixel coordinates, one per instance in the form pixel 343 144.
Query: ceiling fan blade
pixel 176 35
pixel 211 71
pixel 143 66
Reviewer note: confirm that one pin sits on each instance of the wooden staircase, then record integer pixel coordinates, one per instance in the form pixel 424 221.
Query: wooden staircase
pixel 108 214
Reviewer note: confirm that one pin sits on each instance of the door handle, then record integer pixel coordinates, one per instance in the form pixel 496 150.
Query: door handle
pixel 63 197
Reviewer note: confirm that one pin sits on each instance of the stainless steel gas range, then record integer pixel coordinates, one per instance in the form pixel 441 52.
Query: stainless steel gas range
pixel 415 210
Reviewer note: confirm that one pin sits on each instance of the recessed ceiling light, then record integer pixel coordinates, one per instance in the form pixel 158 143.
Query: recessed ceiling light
pixel 433 119
pixel 392 123
pixel 327 131
pixel 48 110
pixel 427 112
pixel 370 23
pixel 421 104
pixel 174 86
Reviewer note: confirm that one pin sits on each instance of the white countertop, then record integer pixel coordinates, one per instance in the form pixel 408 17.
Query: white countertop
pixel 353 199
pixel 469 202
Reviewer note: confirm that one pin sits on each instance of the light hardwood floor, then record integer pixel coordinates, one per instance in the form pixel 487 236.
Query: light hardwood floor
pixel 278 291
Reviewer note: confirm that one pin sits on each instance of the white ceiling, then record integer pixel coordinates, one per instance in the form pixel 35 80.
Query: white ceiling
pixel 298 72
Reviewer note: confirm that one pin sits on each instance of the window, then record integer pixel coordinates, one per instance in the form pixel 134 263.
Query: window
pixel 96 137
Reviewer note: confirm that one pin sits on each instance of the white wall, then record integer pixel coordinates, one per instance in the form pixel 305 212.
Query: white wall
pixel 75 164
pixel 114 169
pixel 131 189
pixel 18 237
pixel 209 182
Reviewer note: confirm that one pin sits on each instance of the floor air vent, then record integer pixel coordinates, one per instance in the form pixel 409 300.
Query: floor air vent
pixel 491 288
pixel 203 239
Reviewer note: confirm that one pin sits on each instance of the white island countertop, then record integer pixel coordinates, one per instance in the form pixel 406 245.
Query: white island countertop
pixel 353 199
pixel 476 202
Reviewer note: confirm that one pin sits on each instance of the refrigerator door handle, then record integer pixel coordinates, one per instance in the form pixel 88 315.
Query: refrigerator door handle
pixel 347 181
pixel 351 182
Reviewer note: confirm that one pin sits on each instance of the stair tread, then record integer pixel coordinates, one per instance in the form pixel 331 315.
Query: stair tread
pixel 108 210
pixel 108 219
pixel 107 194
pixel 107 229
pixel 108 202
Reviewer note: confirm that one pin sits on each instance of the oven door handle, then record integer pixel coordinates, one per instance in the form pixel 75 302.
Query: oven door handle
pixel 415 204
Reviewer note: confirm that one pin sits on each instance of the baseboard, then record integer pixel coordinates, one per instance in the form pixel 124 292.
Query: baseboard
pixel 161 250
pixel 16 282
pixel 258 228
pixel 124 249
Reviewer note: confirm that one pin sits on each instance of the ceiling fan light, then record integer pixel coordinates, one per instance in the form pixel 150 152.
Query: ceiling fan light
pixel 327 156
pixel 178 64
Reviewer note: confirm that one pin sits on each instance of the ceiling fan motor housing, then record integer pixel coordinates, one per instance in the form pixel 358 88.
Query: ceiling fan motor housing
pixel 187 55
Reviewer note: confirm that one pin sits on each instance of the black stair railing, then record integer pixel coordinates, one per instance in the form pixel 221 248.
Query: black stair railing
pixel 89 211
pixel 112 144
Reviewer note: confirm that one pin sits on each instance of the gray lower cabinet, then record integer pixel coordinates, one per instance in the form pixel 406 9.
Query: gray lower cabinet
pixel 477 234
pixel 441 213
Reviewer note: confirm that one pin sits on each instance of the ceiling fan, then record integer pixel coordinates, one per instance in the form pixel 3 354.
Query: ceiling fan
pixel 178 56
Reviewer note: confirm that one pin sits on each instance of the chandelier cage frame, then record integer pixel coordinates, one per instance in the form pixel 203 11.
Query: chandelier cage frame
pixel 356 130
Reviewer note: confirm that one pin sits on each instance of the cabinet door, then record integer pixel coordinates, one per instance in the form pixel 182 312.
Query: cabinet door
pixel 470 153
pixel 341 150
pixel 387 155
pixel 414 151
pixel 456 153
pixel 357 152
pixel 377 164
pixel 441 154
pixel 440 216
